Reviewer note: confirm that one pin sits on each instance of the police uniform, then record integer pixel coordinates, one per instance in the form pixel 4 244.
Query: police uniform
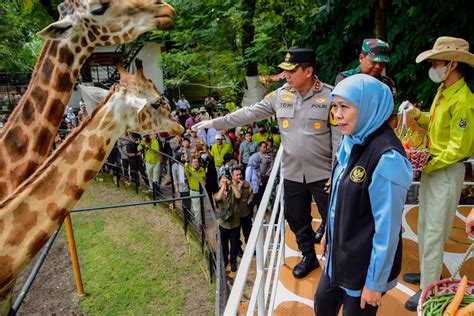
pixel 309 144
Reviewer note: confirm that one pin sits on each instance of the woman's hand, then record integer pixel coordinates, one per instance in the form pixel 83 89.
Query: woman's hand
pixel 322 244
pixel 370 297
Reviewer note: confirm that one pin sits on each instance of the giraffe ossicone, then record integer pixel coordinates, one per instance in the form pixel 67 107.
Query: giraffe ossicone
pixel 27 138
pixel 36 208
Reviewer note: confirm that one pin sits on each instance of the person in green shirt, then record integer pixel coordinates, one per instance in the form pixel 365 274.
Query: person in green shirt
pixel 261 136
pixel 195 174
pixel 151 148
pixel 450 128
pixel 219 149
pixel 227 200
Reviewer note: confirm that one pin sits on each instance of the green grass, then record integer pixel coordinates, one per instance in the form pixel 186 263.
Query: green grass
pixel 137 260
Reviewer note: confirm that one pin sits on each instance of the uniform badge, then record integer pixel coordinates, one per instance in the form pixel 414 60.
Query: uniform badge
pixel 287 99
pixel 462 123
pixel 358 174
pixel 320 100
pixel 332 117
pixel 317 125
pixel 317 85
pixel 285 124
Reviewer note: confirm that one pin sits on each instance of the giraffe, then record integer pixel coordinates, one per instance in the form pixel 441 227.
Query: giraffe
pixel 36 208
pixel 83 25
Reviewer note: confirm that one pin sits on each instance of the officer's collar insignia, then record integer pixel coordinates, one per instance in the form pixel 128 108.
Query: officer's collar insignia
pixel 358 174
pixel 287 57
pixel 462 123
pixel 317 85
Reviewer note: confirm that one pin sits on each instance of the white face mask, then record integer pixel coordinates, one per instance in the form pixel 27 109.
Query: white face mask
pixel 439 74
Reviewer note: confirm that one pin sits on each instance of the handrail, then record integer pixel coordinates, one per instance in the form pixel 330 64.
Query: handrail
pixel 258 244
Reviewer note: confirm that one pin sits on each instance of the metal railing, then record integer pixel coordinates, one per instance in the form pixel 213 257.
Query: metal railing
pixel 266 233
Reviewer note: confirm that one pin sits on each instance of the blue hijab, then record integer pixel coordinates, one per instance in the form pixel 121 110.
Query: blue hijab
pixel 373 99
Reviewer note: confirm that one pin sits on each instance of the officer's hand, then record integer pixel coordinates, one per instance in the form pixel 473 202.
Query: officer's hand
pixel 470 224
pixel 327 186
pixel 409 108
pixel 323 245
pixel 202 125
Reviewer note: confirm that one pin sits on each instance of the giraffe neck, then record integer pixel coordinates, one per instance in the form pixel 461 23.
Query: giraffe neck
pixel 29 134
pixel 30 215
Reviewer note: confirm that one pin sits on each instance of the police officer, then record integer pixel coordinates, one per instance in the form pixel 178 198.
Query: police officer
pixel 309 142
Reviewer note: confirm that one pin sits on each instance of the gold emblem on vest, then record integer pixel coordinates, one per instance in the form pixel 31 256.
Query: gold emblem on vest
pixel 358 174
pixel 285 124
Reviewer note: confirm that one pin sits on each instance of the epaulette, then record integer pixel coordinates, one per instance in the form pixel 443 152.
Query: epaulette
pixel 328 86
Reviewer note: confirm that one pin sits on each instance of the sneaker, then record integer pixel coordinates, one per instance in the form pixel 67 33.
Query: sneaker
pixel 241 253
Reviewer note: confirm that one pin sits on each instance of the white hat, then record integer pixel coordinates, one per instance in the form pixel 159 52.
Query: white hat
pixel 450 49
pixel 218 136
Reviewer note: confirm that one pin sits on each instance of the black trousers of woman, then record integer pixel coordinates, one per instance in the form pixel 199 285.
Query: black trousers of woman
pixel 329 299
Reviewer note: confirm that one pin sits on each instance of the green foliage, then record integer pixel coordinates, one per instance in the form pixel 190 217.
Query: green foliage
pixel 20 46
pixel 208 40
pixel 337 31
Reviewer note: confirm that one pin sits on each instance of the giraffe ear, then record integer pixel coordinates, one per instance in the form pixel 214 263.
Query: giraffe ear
pixel 57 30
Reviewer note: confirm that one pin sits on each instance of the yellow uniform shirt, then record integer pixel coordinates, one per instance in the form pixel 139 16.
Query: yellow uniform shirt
pixel 450 126
pixel 258 138
pixel 218 152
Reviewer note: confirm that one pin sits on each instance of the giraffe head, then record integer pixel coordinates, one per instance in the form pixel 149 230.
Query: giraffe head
pixel 91 23
pixel 142 96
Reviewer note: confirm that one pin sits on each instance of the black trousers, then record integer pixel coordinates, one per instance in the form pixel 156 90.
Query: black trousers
pixel 329 299
pixel 232 237
pixel 125 164
pixel 297 197
pixel 246 225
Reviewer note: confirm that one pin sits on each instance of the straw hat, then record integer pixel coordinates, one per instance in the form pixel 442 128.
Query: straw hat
pixel 449 48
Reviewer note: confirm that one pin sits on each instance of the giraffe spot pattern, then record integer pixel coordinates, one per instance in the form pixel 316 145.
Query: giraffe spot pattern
pixel 16 143
pixel 24 171
pixel 47 71
pixel 77 49
pixel 74 191
pixel 3 190
pixel 53 49
pixel 107 142
pixel 28 112
pixel 47 184
pixel 37 243
pixel 91 36
pixel 24 220
pixel 56 213
pixel 95 29
pixel 3 166
pixel 84 42
pixel 89 174
pixel 66 56
pixel 127 37
pixel 75 39
pixel 44 140
pixel 72 153
pixel 54 112
pixel 39 96
pixel 2 226
pixel 6 272
pixel 116 39
pixel 64 82
pixel 104 38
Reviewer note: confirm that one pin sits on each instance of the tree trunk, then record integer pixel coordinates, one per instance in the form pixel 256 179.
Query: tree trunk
pixel 381 19
pixel 248 35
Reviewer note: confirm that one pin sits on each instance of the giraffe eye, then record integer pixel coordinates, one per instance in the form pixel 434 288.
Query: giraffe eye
pixel 157 104
pixel 100 8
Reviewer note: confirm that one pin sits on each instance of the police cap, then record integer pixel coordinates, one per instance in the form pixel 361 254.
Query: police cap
pixel 297 56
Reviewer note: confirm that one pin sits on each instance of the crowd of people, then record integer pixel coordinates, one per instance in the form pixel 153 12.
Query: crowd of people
pixel 335 139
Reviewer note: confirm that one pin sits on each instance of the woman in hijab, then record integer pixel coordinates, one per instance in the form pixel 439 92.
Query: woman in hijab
pixel 371 176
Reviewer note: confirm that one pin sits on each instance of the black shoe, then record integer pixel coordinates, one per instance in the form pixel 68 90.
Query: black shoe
pixel 233 267
pixel 307 264
pixel 319 233
pixel 412 302
pixel 241 253
pixel 412 278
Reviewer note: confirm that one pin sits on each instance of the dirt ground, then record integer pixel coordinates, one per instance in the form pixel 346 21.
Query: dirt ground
pixel 54 290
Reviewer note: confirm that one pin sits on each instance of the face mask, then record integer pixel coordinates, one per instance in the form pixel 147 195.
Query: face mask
pixel 439 74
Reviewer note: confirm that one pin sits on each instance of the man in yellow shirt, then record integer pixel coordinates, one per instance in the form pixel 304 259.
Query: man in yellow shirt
pixel 450 128
pixel 219 149
pixel 195 174
pixel 261 136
